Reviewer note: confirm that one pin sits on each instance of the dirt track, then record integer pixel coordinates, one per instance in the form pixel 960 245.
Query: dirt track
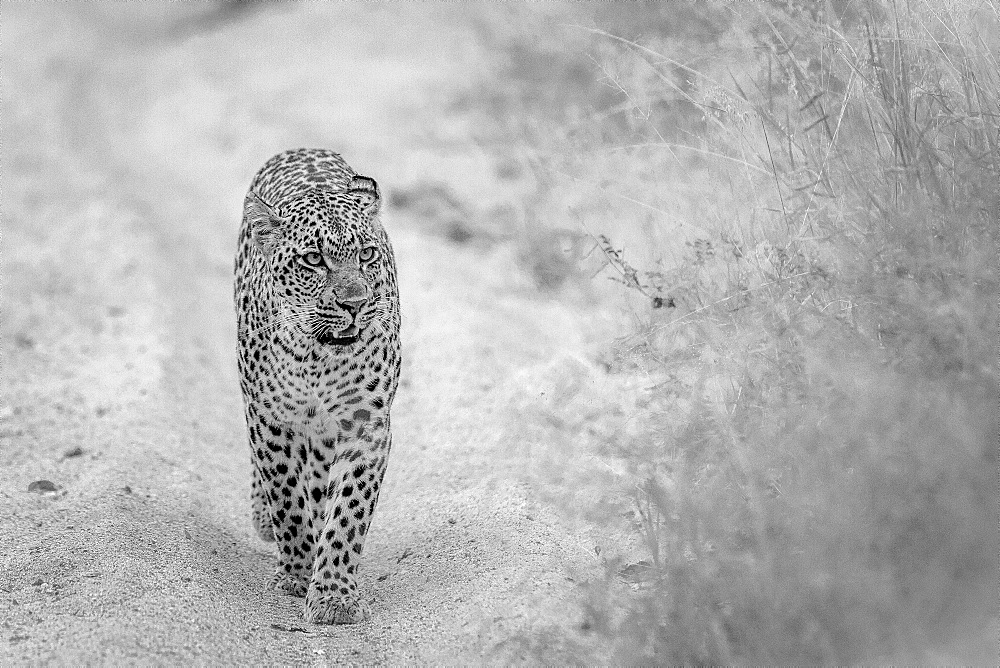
pixel 129 137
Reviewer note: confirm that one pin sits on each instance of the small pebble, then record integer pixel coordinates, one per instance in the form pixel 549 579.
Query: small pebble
pixel 43 486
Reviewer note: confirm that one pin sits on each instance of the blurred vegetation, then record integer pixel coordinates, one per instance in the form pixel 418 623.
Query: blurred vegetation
pixel 813 188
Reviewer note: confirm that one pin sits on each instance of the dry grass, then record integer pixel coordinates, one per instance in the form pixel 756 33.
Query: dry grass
pixel 814 477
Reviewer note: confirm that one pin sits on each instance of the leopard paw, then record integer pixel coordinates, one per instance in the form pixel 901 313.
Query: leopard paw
pixel 264 529
pixel 287 583
pixel 332 607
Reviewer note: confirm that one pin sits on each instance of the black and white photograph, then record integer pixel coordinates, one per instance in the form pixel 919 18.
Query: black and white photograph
pixel 528 332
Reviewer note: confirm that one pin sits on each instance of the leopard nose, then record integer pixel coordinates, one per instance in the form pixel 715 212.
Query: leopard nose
pixel 352 306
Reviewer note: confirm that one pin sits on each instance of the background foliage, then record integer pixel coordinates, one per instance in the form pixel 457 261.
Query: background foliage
pixel 801 201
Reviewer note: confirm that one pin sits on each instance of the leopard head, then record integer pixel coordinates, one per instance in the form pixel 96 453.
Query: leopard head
pixel 328 259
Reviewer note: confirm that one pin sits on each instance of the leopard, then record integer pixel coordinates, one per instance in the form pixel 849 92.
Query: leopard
pixel 318 350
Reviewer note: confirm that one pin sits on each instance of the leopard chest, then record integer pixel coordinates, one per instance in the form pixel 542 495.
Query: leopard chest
pixel 317 390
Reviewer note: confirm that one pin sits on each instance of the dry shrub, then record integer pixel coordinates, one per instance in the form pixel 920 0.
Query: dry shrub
pixel 816 481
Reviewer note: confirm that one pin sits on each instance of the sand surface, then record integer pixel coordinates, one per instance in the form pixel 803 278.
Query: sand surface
pixel 130 134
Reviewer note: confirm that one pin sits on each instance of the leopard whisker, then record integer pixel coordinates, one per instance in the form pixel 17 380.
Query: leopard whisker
pixel 273 325
pixel 377 326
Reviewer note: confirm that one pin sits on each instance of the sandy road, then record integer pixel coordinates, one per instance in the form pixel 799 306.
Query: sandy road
pixel 130 138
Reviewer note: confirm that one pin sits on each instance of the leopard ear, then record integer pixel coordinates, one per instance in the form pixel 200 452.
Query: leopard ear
pixel 365 191
pixel 265 224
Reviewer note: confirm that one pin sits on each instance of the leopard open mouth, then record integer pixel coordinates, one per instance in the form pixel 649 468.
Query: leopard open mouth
pixel 345 337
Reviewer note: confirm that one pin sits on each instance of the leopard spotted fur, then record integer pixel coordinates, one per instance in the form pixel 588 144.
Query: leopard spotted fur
pixel 318 347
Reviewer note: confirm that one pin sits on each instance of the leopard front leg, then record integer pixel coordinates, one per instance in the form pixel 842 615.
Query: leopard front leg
pixel 350 501
pixel 278 467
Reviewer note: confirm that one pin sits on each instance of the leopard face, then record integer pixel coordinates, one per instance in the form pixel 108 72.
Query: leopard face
pixel 327 257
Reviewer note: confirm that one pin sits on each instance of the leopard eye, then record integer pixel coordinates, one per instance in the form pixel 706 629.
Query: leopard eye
pixel 368 254
pixel 311 259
